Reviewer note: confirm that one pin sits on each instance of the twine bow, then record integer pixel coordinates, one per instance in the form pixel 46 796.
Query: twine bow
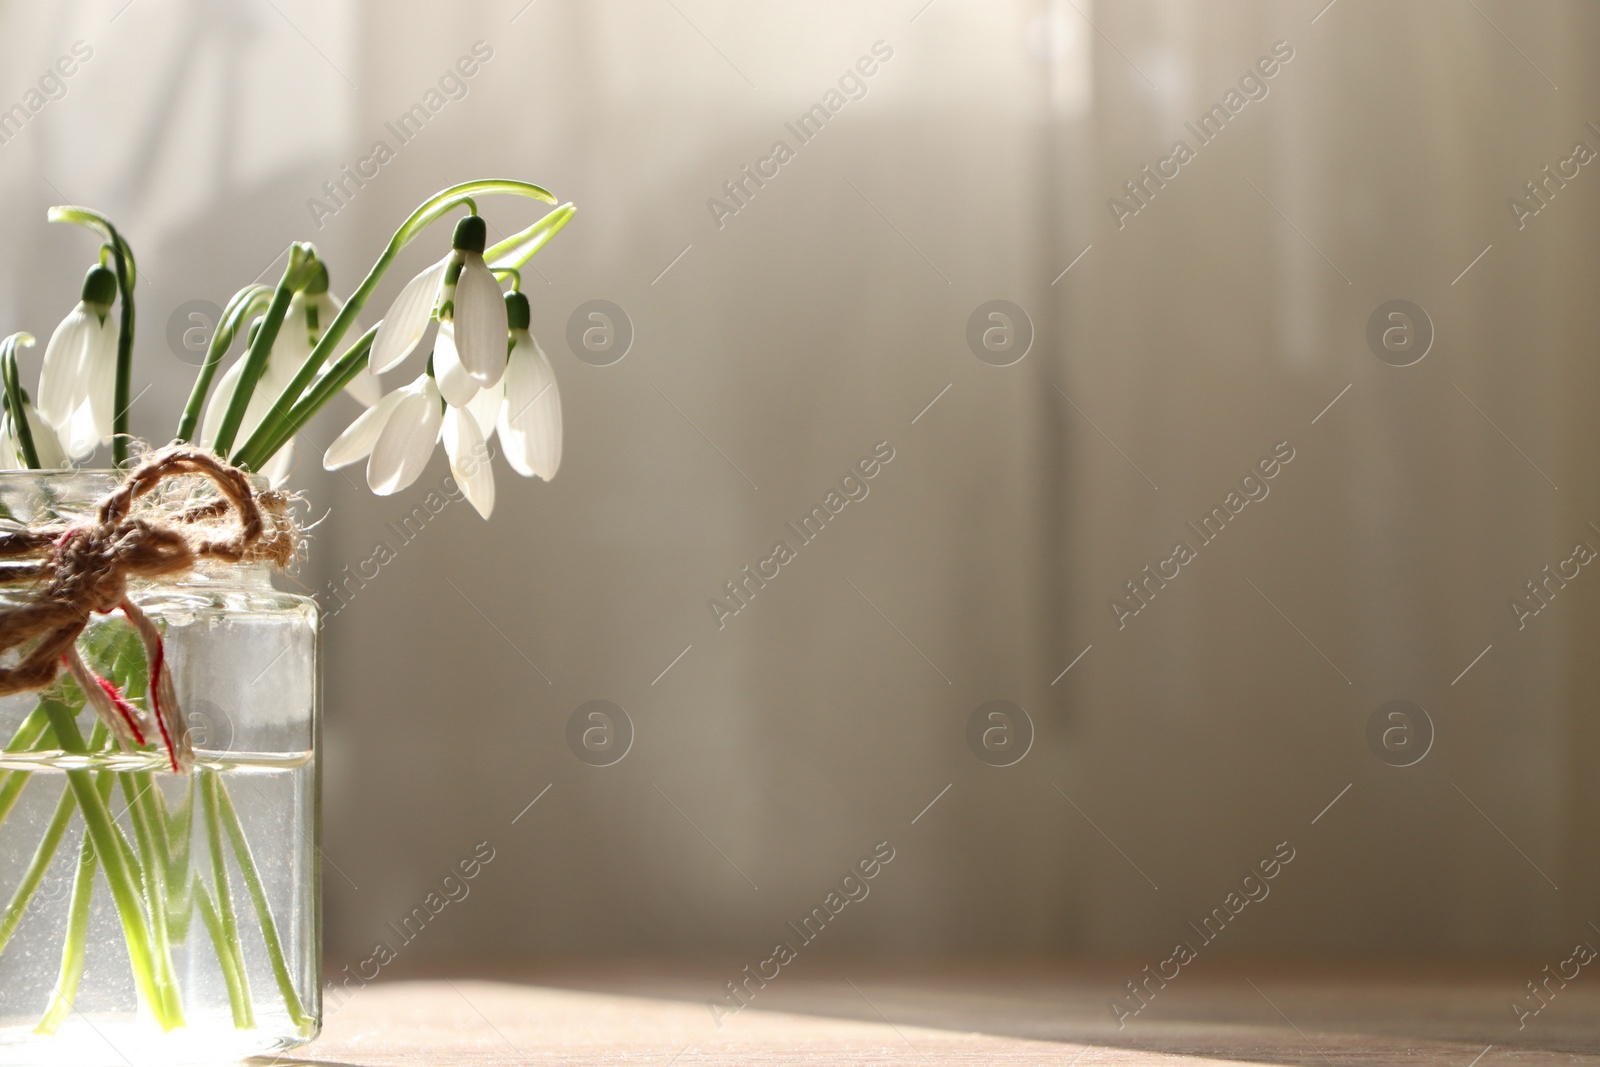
pixel 85 568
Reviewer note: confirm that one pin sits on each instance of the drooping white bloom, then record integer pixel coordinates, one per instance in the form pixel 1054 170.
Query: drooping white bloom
pixel 455 381
pixel 396 437
pixel 358 438
pixel 526 410
pixel 303 325
pixel 286 356
pixel 317 310
pixel 407 438
pixel 407 319
pixel 77 384
pixel 469 458
pixel 529 423
pixel 480 318
pixel 464 291
pixel 222 399
pixel 10 455
pixel 45 445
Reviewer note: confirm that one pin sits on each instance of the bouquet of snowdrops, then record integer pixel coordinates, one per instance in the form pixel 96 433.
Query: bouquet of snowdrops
pixel 484 378
pixel 487 376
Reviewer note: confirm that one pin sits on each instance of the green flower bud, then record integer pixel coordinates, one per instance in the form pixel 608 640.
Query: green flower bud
pixel 472 234
pixel 517 311
pixel 317 284
pixel 99 287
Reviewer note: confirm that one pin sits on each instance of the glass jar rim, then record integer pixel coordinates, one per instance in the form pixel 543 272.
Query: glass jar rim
pixel 112 476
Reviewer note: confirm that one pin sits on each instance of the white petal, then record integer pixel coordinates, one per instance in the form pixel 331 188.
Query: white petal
pixel 469 459
pixel 10 454
pixel 99 376
pixel 530 424
pixel 45 444
pixel 268 387
pixel 407 319
pixel 217 406
pixel 81 434
pixel 480 315
pixel 293 343
pixel 358 438
pixel 60 378
pixel 455 383
pixel 280 466
pixel 518 394
pixel 407 439
pixel 274 380
pixel 365 387
pixel 485 408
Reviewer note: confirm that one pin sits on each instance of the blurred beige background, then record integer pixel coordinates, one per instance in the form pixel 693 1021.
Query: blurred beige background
pixel 774 351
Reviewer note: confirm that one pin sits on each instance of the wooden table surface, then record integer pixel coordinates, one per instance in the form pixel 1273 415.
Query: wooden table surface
pixel 989 1013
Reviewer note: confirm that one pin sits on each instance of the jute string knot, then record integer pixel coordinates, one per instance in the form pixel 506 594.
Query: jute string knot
pixel 84 568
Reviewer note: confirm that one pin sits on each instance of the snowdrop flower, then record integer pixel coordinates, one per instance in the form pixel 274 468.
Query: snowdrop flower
pixel 317 309
pixel 45 445
pixel 395 437
pixel 308 316
pixel 464 292
pixel 455 383
pixel 526 411
pixel 77 384
pixel 283 360
pixel 469 458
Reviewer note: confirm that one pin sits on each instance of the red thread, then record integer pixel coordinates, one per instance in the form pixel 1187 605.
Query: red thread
pixel 122 706
pixel 155 700
pixel 156 666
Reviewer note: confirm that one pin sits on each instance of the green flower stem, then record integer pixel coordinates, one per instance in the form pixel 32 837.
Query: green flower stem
pixel 252 453
pixel 178 827
pixel 33 726
pixel 127 277
pixel 251 300
pixel 21 427
pixel 117 859
pixel 295 276
pixel 34 875
pixel 217 798
pixel 73 946
pixel 153 868
pixel 327 386
pixel 244 1016
pixel 229 952
pixel 28 735
pixel 154 807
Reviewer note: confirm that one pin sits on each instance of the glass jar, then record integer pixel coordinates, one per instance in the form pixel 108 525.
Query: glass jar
pixel 201 942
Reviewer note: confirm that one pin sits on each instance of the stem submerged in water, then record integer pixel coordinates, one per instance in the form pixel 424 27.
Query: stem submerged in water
pixel 27 736
pixel 229 952
pixel 37 867
pixel 73 946
pixel 136 788
pixel 233 972
pixel 121 868
pixel 217 799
